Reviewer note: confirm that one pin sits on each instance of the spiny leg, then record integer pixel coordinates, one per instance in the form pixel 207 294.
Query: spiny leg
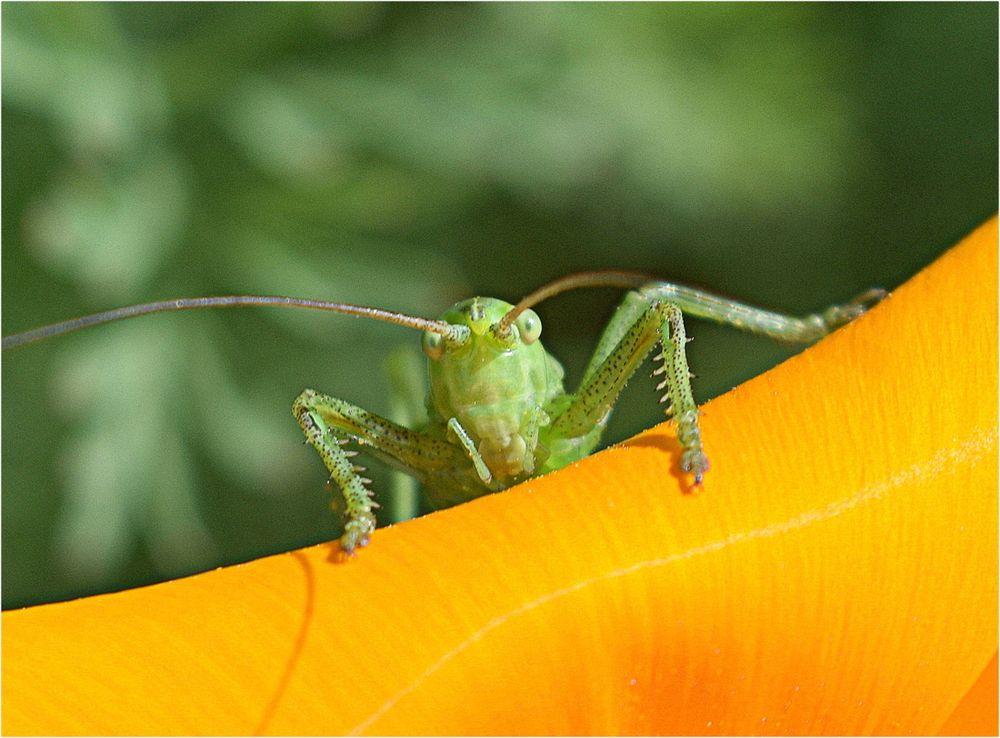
pixel 633 331
pixel 329 423
pixel 360 505
pixel 676 375
pixel 677 383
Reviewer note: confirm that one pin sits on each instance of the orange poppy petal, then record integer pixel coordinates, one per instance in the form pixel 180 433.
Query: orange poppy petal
pixel 976 714
pixel 836 575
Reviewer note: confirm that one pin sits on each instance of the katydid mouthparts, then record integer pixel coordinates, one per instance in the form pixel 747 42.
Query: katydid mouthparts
pixel 498 411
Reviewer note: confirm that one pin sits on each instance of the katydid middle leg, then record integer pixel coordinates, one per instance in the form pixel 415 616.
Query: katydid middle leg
pixel 405 369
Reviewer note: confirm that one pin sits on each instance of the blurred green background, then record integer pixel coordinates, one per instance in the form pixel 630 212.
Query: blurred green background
pixel 408 156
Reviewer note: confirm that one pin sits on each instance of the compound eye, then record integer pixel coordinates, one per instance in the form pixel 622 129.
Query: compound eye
pixel 433 344
pixel 529 326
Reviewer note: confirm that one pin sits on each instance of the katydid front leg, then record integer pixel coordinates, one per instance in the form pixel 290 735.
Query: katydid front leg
pixel 330 424
pixel 636 327
pixel 655 312
pixel 677 377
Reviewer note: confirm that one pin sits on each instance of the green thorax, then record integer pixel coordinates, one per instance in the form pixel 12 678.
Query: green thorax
pixel 497 390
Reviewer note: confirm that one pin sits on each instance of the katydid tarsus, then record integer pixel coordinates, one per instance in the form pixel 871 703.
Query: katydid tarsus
pixel 498 412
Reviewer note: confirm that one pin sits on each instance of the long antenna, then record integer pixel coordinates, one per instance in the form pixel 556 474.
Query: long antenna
pixel 604 278
pixel 453 333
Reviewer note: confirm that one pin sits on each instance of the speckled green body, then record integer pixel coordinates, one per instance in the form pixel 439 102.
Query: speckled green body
pixel 502 393
pixel 498 412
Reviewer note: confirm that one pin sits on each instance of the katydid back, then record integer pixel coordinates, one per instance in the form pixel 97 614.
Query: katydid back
pixel 498 411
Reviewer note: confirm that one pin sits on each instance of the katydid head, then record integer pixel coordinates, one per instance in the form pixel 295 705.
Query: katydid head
pixel 482 317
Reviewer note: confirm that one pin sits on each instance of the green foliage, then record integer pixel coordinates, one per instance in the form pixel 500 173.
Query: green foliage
pixel 407 156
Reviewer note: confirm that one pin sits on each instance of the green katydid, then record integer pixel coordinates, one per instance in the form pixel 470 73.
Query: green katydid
pixel 498 412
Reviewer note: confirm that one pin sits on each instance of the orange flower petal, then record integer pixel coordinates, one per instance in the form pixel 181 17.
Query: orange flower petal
pixel 976 714
pixel 836 575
